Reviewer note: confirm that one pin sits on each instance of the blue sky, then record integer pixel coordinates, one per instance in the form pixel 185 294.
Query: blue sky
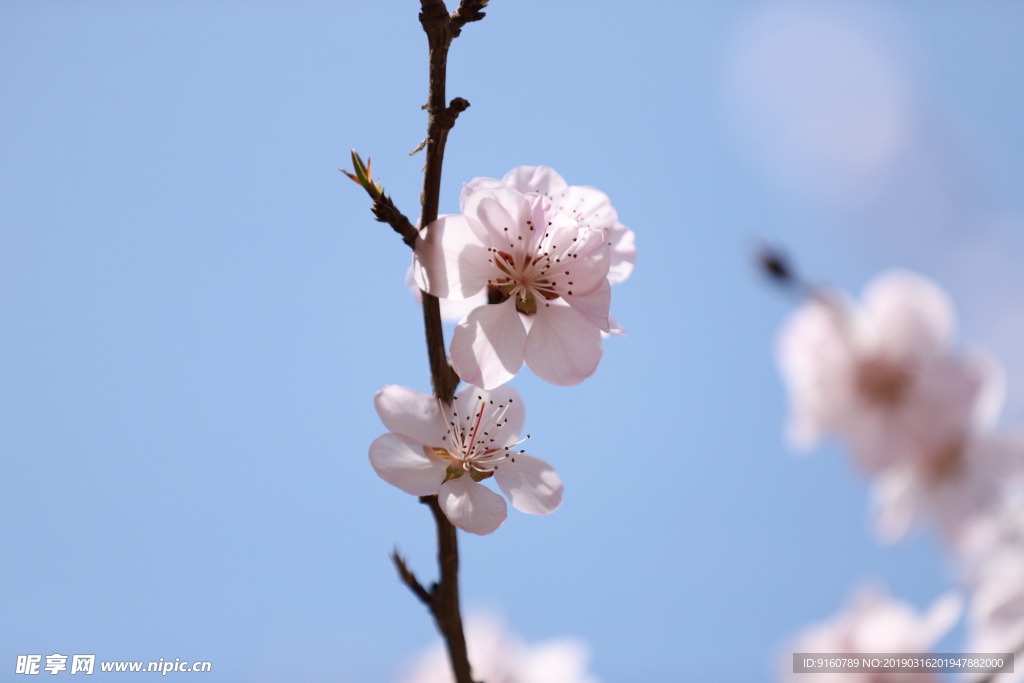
pixel 197 309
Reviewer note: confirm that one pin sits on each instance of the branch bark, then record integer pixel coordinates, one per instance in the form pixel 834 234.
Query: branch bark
pixel 443 597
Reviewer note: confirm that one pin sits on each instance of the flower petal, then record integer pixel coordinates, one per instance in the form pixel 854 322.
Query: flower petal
pixel 503 213
pixel 487 347
pixel 409 466
pixel 588 206
pixel 614 328
pixel 911 315
pixel 477 184
pixel 623 253
pixel 531 484
pixel 412 414
pixel 542 179
pixel 896 502
pixel 452 310
pixel 451 260
pixel 562 347
pixel 588 269
pixel 594 306
pixel 815 359
pixel 504 401
pixel 471 506
pixel 992 394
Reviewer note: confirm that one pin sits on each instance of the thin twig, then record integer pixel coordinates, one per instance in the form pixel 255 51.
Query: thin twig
pixel 385 211
pixel 409 579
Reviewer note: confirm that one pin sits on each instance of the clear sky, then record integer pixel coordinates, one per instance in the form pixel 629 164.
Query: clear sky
pixel 196 308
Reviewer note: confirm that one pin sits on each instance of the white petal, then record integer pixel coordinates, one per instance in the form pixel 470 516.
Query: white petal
pixel 589 269
pixel 896 503
pixel 504 401
pixel 409 466
pixel 410 413
pixel 450 260
pixel 623 253
pixel 542 179
pixel 588 206
pixel 614 328
pixel 594 306
pixel 487 347
pixel 531 484
pixel 563 347
pixel 477 184
pixel 452 310
pixel 816 362
pixel 908 315
pixel 471 506
pixel 992 395
pixel 500 209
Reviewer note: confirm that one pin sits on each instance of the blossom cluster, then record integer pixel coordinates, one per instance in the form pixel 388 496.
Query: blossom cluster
pixel 529 264
pixel 918 415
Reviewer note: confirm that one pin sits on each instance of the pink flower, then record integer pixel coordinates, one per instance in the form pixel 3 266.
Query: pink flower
pixel 447 450
pixel 873 623
pixel 545 273
pixel 882 375
pixel 498 656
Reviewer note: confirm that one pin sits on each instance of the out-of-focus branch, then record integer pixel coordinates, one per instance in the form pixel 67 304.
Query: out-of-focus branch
pixel 777 266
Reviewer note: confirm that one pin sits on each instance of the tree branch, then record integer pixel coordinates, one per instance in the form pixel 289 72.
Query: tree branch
pixel 468 10
pixel 443 597
pixel 440 29
pixel 409 579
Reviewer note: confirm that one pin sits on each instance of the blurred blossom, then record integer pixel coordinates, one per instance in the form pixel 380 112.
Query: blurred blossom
pixel 987 470
pixel 996 617
pixel 498 656
pixel 875 623
pixel 991 552
pixel 882 375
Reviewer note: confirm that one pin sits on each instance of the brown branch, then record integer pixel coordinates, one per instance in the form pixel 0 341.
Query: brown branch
pixel 443 597
pixel 409 579
pixel 468 10
pixel 446 593
pixel 440 29
pixel 385 211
